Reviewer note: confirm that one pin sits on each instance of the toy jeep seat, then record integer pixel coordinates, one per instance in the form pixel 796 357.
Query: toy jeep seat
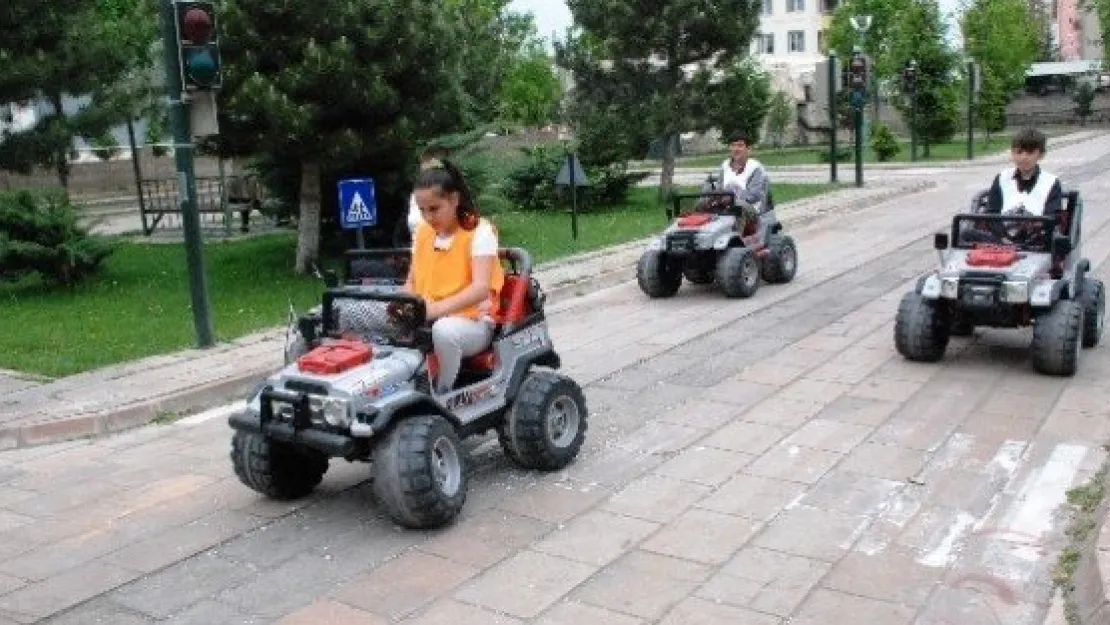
pixel 519 301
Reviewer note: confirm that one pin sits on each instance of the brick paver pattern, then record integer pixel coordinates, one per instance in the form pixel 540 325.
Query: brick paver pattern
pixel 751 462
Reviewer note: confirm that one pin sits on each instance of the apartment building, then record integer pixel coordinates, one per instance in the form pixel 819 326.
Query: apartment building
pixel 792 32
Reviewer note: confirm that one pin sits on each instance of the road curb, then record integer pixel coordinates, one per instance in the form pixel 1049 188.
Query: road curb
pixel 209 395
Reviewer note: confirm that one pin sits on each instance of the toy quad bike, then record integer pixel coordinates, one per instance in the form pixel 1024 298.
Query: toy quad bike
pixel 1008 271
pixel 713 244
pixel 363 392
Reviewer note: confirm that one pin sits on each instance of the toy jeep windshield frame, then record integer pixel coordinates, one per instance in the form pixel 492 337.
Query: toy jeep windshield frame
pixel 963 224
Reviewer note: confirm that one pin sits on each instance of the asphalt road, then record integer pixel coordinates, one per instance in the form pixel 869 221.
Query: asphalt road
pixel 761 461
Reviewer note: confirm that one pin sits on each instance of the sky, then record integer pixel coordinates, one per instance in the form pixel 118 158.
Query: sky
pixel 553 15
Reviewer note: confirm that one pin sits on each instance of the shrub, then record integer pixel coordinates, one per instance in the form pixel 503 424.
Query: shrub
pixel 884 144
pixel 40 233
pixel 531 185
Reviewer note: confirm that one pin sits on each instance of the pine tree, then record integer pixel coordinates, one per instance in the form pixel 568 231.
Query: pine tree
pixel 657 62
pixel 330 86
pixel 54 49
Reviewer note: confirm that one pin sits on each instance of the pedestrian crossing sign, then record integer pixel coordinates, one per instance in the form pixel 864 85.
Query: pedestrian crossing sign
pixel 358 206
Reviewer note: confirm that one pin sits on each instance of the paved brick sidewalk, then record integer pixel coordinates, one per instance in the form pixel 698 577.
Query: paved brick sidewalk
pixel 120 397
pixel 770 460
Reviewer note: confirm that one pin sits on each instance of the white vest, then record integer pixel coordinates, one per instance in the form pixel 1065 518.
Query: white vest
pixel 1033 201
pixel 730 178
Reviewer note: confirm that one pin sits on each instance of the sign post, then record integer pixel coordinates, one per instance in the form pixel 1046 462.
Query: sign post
pixel 572 177
pixel 358 207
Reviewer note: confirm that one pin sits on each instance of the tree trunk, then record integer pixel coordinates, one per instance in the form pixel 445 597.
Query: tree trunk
pixel 666 177
pixel 308 229
pixel 61 163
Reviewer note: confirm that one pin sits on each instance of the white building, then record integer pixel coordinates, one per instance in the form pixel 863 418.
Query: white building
pixel 791 40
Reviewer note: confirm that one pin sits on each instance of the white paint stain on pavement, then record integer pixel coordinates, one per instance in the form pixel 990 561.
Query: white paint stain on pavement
pixel 944 553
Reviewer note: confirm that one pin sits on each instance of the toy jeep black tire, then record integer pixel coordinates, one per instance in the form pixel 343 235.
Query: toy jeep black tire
pixel 656 277
pixel 921 329
pixel 419 472
pixel 1056 338
pixel 274 468
pixel 1094 311
pixel 738 272
pixel 547 423
pixel 782 263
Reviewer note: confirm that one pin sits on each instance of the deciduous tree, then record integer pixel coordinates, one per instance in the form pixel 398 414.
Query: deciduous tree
pixel 1003 37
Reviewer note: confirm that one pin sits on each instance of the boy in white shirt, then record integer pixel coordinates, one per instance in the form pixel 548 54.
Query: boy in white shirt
pixel 746 178
pixel 1025 185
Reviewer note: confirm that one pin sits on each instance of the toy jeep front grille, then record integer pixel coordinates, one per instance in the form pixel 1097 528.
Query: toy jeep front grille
pixel 681 241
pixel 311 388
pixel 981 291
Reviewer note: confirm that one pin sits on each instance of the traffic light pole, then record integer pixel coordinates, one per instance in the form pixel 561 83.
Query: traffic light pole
pixel 186 181
pixel 970 110
pixel 913 125
pixel 859 144
pixel 834 117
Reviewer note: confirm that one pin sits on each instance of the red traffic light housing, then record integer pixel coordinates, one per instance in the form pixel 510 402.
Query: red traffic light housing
pixel 198 45
pixel 857 69
pixel 909 77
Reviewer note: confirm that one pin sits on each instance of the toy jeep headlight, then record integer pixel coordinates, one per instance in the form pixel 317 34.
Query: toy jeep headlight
pixel 1015 292
pixel 334 411
pixel 949 288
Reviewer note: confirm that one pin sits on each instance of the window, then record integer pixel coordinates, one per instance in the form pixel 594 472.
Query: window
pixel 764 43
pixel 796 41
pixel 768 7
pixel 823 41
pixel 795 6
pixel 829 6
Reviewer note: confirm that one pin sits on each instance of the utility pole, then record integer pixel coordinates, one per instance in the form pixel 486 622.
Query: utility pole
pixel 177 24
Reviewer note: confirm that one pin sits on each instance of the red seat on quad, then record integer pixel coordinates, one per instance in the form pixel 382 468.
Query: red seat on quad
pixel 516 306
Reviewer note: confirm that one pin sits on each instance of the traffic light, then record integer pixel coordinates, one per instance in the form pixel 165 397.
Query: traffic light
pixel 198 45
pixel 857 69
pixel 909 77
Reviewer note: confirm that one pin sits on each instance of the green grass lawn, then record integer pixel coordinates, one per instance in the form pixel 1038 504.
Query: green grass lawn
pixel 139 305
pixel 784 157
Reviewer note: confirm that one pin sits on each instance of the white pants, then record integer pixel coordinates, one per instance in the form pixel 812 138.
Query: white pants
pixel 453 339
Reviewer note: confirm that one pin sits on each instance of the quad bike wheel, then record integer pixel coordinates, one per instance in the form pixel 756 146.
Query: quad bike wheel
pixel 1056 339
pixel 1094 311
pixel 738 272
pixel 419 472
pixel 276 469
pixel 655 277
pixel 781 265
pixel 921 329
pixel 547 423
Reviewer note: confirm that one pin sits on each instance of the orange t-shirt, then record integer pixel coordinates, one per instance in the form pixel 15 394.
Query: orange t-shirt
pixel 440 273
